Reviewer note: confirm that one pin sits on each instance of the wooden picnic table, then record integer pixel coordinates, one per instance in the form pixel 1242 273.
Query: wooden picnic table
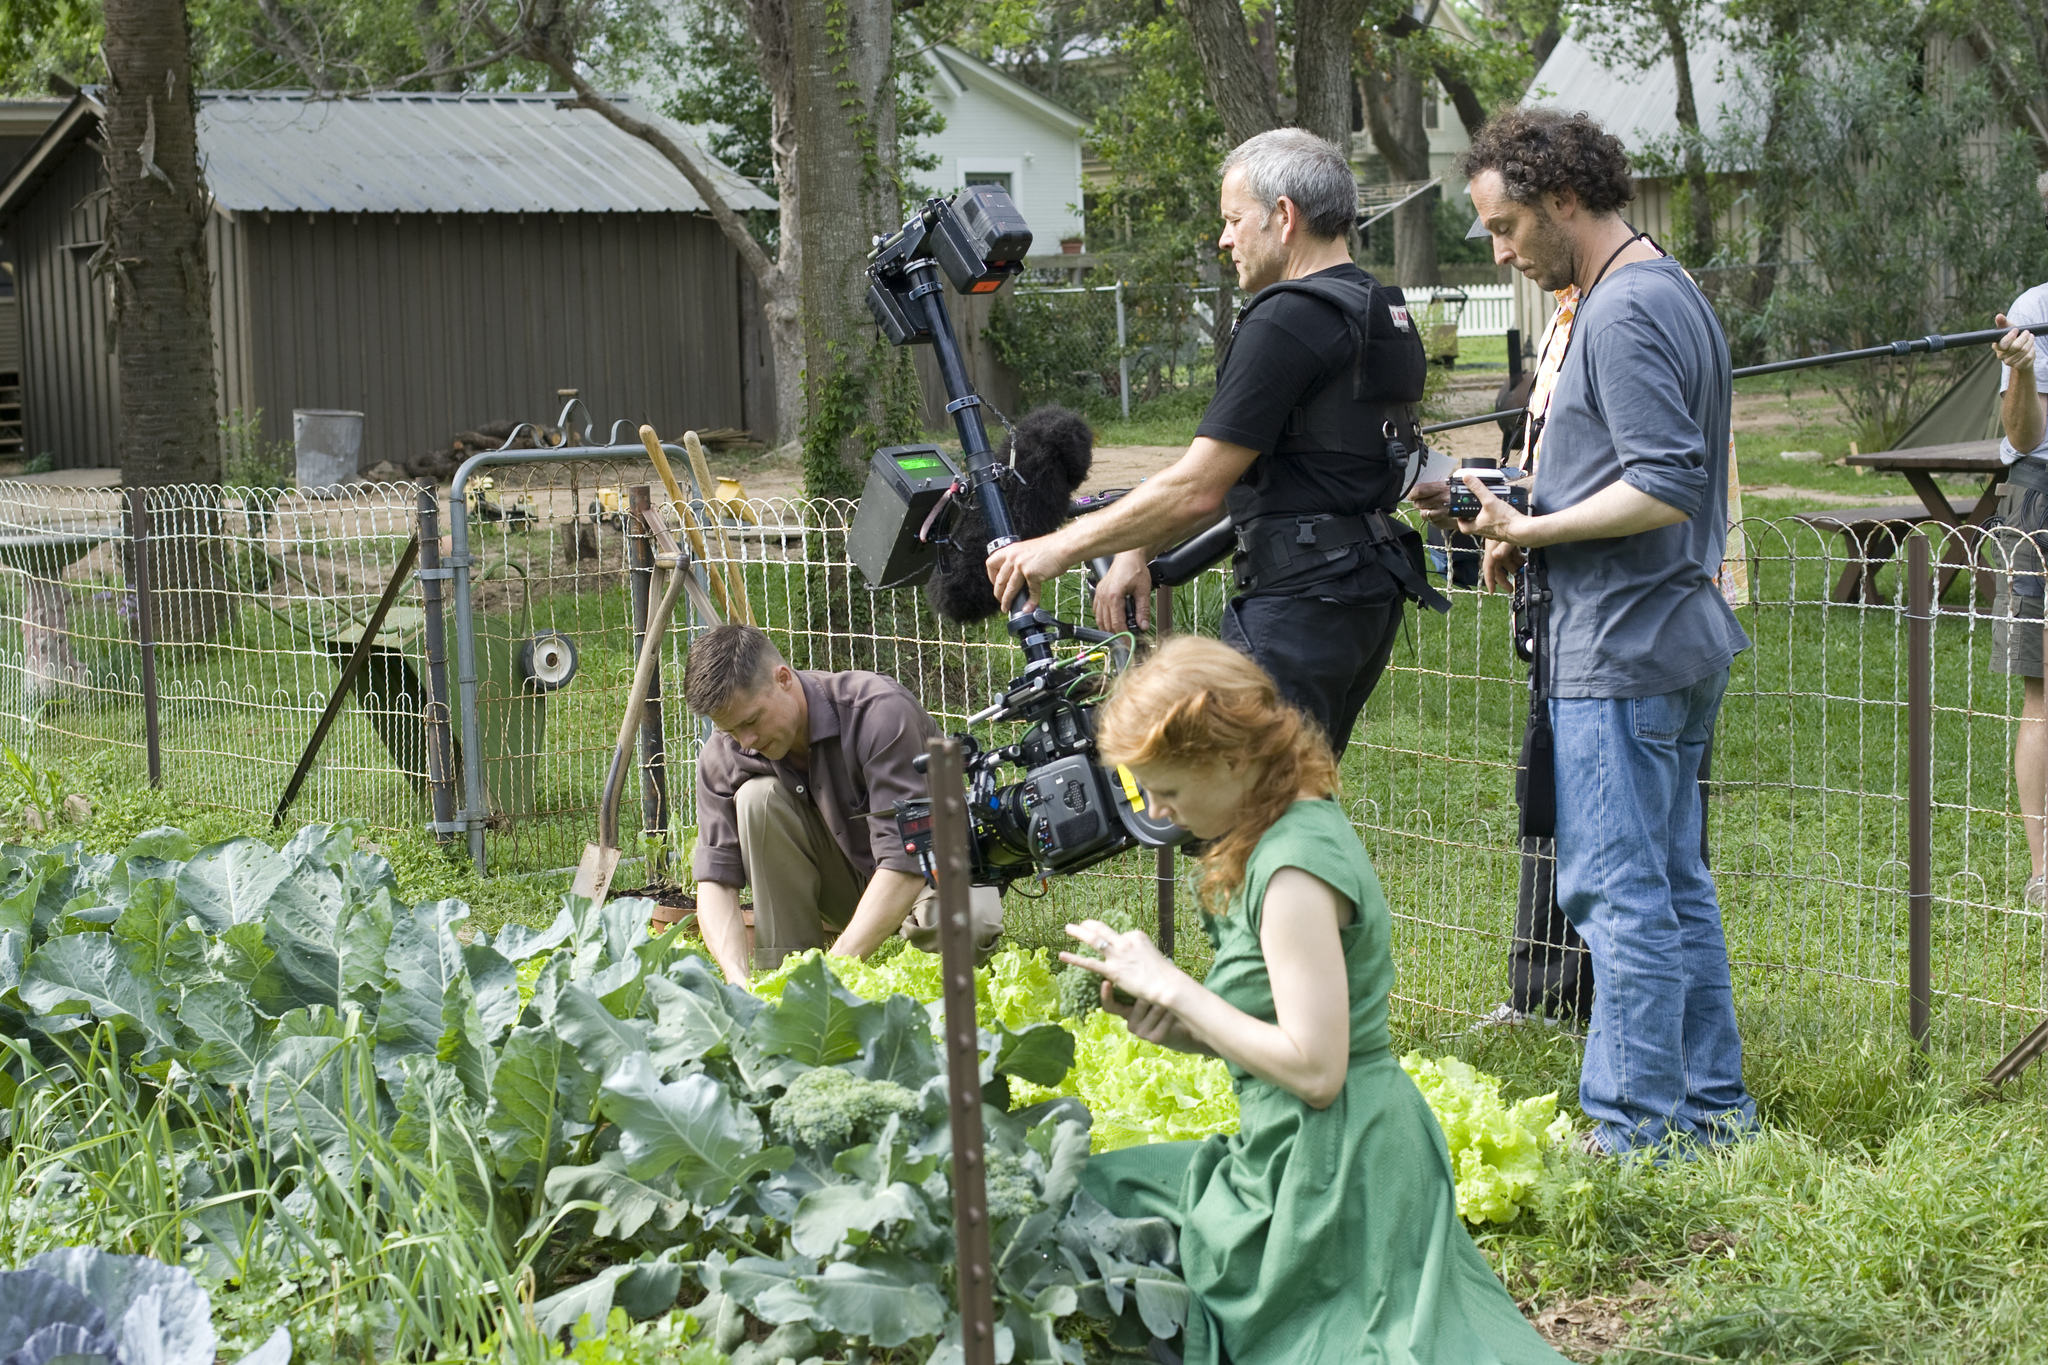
pixel 1921 466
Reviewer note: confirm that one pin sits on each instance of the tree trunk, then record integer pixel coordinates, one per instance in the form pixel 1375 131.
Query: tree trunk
pixel 1265 31
pixel 286 41
pixel 1464 98
pixel 437 54
pixel 844 134
pixel 1671 17
pixel 155 257
pixel 1393 114
pixel 1322 67
pixel 1231 71
pixel 769 22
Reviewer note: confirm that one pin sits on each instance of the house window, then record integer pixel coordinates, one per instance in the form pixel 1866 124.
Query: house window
pixel 1000 179
pixel 1429 114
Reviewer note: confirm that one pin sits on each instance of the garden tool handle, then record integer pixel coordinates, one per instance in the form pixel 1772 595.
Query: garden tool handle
pixel 636 702
pixel 719 587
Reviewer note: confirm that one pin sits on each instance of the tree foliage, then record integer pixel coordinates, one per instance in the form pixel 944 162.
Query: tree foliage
pixel 1903 214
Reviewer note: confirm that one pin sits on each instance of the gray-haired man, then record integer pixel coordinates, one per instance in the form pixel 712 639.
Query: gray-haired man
pixel 1304 442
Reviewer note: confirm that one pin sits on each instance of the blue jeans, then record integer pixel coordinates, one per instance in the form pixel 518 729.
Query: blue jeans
pixel 1663 1058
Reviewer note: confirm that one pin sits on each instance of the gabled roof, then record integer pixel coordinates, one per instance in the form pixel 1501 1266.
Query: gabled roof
pixel 958 70
pixel 1639 106
pixel 416 153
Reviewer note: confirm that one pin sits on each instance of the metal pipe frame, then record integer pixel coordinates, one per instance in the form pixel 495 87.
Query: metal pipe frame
pixel 473 814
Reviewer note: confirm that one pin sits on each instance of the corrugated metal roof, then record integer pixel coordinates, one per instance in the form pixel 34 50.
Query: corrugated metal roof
pixel 1639 107
pixel 442 153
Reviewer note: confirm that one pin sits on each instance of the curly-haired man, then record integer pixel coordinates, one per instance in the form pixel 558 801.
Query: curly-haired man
pixel 1619 550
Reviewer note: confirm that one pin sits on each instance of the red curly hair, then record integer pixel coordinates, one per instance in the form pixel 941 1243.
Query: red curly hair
pixel 1196 701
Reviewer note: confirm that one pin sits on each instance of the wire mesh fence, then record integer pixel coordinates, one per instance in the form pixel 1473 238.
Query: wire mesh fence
pixel 258 597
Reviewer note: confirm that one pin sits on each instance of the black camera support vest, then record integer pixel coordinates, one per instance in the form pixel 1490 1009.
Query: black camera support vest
pixel 1319 504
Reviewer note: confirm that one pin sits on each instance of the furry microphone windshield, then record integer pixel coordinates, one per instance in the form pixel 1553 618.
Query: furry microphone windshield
pixel 1054 451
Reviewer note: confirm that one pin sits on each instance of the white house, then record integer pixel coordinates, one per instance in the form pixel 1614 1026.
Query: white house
pixel 1002 132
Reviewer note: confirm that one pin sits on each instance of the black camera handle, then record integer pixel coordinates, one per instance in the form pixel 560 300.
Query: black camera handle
pixel 1035 630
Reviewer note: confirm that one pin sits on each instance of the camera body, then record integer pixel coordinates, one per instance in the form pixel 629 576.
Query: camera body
pixel 1065 812
pixel 1465 503
pixel 978 239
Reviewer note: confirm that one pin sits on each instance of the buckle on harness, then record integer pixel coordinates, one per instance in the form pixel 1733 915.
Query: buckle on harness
pixel 1305 530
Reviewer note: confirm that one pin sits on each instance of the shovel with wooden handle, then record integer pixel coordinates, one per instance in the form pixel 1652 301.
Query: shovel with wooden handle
pixel 601 859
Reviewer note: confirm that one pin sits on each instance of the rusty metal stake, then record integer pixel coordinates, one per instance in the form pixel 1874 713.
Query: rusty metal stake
pixel 145 630
pixel 1162 859
pixel 963 1052
pixel 1919 788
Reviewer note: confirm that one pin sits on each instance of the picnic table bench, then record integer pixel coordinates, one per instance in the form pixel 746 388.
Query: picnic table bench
pixel 1871 536
pixel 1921 466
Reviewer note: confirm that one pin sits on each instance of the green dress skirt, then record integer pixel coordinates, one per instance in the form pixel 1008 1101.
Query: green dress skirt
pixel 1325 1235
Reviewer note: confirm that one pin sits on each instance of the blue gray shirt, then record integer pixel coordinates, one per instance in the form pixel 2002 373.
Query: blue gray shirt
pixel 1644 397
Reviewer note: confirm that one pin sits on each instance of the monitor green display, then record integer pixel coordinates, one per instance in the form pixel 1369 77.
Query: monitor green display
pixel 918 464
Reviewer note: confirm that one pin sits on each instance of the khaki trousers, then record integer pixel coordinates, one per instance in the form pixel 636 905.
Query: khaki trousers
pixel 805 890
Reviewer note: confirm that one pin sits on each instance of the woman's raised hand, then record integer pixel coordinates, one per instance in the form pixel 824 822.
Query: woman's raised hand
pixel 1129 961
pixel 1133 965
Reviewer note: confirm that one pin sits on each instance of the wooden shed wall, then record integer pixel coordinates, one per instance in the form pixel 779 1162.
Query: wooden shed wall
pixel 70 387
pixel 435 324
pixel 67 380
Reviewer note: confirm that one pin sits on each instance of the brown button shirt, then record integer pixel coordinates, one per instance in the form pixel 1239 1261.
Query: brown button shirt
pixel 865 730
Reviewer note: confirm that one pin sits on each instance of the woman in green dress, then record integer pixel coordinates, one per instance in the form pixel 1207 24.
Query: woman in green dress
pixel 1326 1228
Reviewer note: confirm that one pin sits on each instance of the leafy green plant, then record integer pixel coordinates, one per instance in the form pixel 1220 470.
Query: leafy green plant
pixel 1136 1092
pixel 295 1079
pixel 30 784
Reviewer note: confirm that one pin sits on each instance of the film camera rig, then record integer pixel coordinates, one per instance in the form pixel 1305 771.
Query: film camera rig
pixel 1067 811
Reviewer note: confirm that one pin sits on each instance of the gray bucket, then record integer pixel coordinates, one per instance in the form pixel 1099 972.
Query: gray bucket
pixel 329 446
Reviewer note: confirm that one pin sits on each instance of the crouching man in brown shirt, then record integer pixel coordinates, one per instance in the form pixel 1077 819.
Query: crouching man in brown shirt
pixel 795 797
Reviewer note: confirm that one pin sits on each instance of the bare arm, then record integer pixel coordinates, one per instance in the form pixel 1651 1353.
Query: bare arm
pixel 889 897
pixel 1616 510
pixel 2023 410
pixel 725 932
pixel 1308 1049
pixel 1173 504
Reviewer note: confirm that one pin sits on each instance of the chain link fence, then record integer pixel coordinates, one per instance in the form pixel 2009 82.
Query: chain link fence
pixel 1862 784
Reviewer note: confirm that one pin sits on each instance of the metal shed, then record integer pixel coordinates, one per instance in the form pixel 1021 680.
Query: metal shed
pixel 435 261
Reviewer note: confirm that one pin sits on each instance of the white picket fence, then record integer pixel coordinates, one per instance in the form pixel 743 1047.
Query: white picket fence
pixel 1489 309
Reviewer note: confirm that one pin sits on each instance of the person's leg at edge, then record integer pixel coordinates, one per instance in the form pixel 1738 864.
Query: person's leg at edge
pixel 804 887
pixel 1613 884
pixel 1717 1107
pixel 2030 769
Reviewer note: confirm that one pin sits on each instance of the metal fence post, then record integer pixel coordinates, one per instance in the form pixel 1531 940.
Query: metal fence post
pixel 963 1052
pixel 1162 863
pixel 653 748
pixel 1919 787
pixel 440 738
pixel 1123 360
pixel 474 806
pixel 145 630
